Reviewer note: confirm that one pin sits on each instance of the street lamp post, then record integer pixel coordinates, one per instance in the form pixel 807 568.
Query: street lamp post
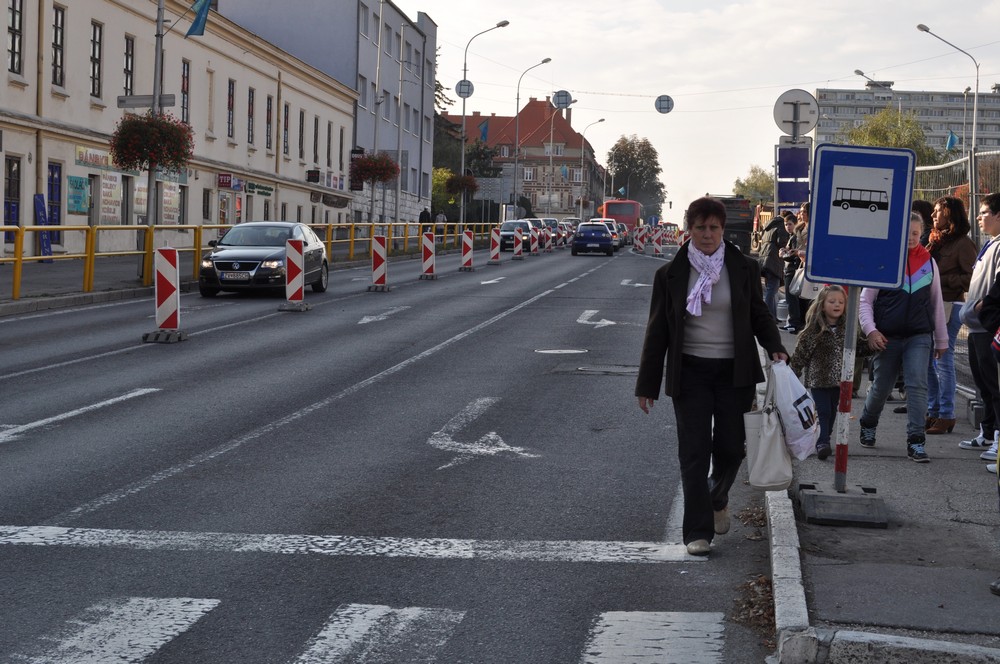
pixel 552 118
pixel 583 147
pixel 965 114
pixel 973 205
pixel 517 126
pixel 465 76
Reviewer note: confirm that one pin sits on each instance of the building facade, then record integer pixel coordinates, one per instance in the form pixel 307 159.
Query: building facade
pixel 556 166
pixel 272 134
pixel 939 113
pixel 389 60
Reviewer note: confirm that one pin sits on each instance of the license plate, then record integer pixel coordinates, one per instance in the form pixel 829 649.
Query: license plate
pixel 235 276
pixel 593 246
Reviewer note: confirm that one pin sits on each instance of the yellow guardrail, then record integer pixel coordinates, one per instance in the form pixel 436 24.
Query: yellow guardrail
pixel 402 238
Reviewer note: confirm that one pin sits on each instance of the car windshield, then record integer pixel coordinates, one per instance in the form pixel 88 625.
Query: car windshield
pixel 256 236
pixel 512 225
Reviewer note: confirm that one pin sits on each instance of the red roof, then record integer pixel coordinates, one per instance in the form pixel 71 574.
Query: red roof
pixel 533 129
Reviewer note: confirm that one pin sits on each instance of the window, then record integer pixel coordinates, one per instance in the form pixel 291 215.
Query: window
pixel 128 68
pixel 362 92
pixel 15 28
pixel 96 47
pixel 206 204
pixel 268 122
pixel 529 174
pixel 185 94
pixel 387 39
pixel 55 200
pixel 11 194
pixel 251 95
pixel 211 102
pixel 284 136
pixel 553 149
pixel 231 109
pixel 329 145
pixel 504 150
pixel 302 134
pixel 385 107
pixel 58 43
pixel 577 175
pixel 363 19
pixel 406 117
pixel 340 151
pixel 316 139
pixel 395 108
pixel 284 212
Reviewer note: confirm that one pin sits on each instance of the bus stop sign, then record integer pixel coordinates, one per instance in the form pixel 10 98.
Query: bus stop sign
pixel 860 215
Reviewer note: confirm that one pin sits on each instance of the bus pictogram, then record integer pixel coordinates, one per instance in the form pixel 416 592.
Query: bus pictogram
pixel 873 199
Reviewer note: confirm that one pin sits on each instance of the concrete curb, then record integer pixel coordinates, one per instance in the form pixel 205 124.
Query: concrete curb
pixel 799 643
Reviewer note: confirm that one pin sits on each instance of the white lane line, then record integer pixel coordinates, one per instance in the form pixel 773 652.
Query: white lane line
pixel 372 634
pixel 664 637
pixel 62 312
pixel 122 630
pixel 566 551
pixel 8 434
pixel 143 484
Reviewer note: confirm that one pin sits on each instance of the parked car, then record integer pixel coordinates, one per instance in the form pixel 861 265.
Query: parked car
pixel 613 228
pixel 623 233
pixel 509 229
pixel 592 236
pixel 251 256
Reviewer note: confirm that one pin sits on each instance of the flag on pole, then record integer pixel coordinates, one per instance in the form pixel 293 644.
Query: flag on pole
pixel 200 8
pixel 622 191
pixel 952 140
pixel 484 130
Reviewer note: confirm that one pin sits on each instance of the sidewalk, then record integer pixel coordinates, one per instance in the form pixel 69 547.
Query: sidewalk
pixel 917 591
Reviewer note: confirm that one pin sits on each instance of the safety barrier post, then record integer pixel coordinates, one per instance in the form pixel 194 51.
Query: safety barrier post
pixel 428 253
pixel 494 246
pixel 378 265
pixel 467 238
pixel 658 242
pixel 294 278
pixel 534 242
pixel 168 298
pixel 518 246
pixel 548 239
pixel 640 240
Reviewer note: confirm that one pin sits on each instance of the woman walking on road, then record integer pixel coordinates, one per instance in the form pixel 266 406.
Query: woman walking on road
pixel 706 316
pixel 955 253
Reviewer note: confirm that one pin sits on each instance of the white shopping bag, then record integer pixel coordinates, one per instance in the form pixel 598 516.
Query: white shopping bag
pixel 797 411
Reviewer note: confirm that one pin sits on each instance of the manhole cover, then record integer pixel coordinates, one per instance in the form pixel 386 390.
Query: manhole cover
pixel 610 369
pixel 560 351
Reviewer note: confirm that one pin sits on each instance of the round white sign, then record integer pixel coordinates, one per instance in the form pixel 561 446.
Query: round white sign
pixel 562 99
pixel 664 104
pixel 796 112
pixel 464 88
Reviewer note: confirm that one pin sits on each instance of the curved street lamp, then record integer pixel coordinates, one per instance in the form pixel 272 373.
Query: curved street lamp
pixel 583 147
pixel 517 125
pixel 974 206
pixel 465 76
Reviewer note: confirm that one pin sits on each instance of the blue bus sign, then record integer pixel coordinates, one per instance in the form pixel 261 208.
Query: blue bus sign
pixel 860 215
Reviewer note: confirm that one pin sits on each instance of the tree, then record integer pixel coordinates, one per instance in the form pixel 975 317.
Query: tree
pixel 891 128
pixel 757 187
pixel 441 200
pixel 636 169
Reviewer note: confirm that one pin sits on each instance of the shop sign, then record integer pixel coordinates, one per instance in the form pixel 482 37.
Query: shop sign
pixel 77 195
pixel 225 180
pixel 265 190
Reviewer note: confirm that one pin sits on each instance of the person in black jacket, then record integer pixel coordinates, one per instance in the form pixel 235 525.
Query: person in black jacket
pixel 706 316
pixel 790 254
pixel 771 264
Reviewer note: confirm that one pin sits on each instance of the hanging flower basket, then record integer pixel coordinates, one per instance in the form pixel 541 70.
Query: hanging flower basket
pixel 374 168
pixel 456 184
pixel 142 142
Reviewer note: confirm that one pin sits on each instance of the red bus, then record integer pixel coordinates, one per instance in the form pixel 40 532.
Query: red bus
pixel 623 211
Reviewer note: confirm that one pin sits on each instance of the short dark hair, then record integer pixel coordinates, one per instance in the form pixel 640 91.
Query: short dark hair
pixel 706 207
pixel 924 208
pixel 992 201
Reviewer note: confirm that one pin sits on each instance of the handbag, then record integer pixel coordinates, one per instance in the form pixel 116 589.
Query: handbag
pixel 802 287
pixel 796 410
pixel 768 461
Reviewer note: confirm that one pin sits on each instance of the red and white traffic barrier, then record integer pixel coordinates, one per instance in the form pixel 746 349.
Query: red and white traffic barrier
pixel 534 241
pixel 518 245
pixel 378 264
pixel 294 278
pixel 683 237
pixel 640 240
pixel 494 246
pixel 467 240
pixel 658 242
pixel 670 235
pixel 168 298
pixel 428 251
pixel 548 240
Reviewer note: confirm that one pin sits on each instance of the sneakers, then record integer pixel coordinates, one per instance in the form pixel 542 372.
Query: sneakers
pixel 991 468
pixel 722 521
pixel 990 454
pixel 822 451
pixel 977 443
pixel 915 450
pixel 867 436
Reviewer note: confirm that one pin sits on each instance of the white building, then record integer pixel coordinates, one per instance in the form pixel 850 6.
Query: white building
pixel 272 133
pixel 388 59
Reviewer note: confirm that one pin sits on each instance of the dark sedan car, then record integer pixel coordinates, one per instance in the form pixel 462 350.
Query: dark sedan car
pixel 511 228
pixel 251 256
pixel 592 236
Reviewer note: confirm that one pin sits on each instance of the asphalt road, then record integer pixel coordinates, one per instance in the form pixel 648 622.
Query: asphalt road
pixel 454 471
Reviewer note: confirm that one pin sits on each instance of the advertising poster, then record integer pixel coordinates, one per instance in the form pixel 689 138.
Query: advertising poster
pixel 111 199
pixel 77 195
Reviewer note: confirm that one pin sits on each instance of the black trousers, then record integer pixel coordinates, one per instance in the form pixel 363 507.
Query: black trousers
pixel 984 374
pixel 709 414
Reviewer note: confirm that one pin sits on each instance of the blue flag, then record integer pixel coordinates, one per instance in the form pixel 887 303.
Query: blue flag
pixel 200 8
pixel 484 130
pixel 952 140
pixel 622 191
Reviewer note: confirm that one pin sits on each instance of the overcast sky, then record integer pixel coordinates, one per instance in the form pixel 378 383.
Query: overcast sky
pixel 723 63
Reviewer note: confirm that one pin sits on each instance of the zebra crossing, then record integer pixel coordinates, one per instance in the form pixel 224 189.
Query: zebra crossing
pixel 130 629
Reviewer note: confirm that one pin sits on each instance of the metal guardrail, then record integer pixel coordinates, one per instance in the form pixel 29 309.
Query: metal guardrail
pixel 349 239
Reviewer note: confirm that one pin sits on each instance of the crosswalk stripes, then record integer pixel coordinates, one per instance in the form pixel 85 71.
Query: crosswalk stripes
pixel 371 634
pixel 128 630
pixel 121 630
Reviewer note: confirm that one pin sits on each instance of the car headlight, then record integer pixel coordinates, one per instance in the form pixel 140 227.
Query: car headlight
pixel 273 264
pixel 206 262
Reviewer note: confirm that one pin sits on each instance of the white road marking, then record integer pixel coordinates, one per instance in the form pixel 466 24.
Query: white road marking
pixel 675 522
pixel 373 634
pixel 122 630
pixel 493 281
pixel 565 551
pixel 628 282
pixel 8 434
pixel 590 313
pixel 664 637
pixel 73 310
pixel 489 445
pixel 382 316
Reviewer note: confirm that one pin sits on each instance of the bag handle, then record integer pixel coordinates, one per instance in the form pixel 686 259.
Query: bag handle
pixel 769 398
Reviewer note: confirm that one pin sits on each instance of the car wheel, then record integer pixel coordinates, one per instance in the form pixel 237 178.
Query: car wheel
pixel 319 286
pixel 573 251
pixel 610 252
pixel 207 291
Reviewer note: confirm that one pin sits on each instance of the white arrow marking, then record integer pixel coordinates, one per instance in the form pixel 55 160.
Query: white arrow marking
pixel 628 282
pixel 489 445
pixel 13 432
pixel 493 281
pixel 382 316
pixel 588 314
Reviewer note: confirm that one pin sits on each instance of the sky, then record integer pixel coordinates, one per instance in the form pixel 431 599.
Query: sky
pixel 723 63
